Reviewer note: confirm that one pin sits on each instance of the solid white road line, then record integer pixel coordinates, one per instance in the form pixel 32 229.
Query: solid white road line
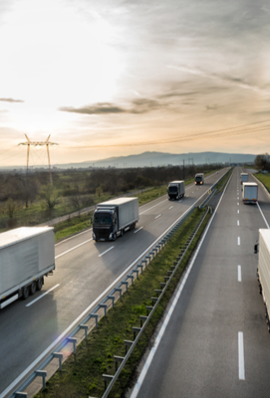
pixel 266 223
pixel 153 350
pixel 73 248
pixel 241 363
pixel 239 273
pixel 80 317
pixel 137 230
pixel 159 215
pixel 238 241
pixel 102 254
pixel 44 294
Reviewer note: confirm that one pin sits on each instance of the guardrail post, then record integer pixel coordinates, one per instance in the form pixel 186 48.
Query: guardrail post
pixel 128 343
pixel 135 330
pixel 60 358
pixel 118 290
pixel 43 374
pixel 131 277
pixel 125 283
pixel 149 308
pixel 143 318
pixel 96 317
pixel 20 395
pixel 107 378
pixel 74 342
pixel 117 360
pixel 85 327
pixel 102 305
pixel 112 298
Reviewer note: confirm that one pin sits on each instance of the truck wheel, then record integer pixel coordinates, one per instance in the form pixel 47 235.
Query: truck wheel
pixel 122 232
pixel 114 237
pixel 25 293
pixel 39 284
pixel 33 287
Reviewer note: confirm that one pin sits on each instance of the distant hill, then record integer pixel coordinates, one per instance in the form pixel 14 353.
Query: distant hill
pixel 154 159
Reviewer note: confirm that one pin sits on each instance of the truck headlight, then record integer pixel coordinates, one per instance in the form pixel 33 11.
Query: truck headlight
pixel 94 236
pixel 110 236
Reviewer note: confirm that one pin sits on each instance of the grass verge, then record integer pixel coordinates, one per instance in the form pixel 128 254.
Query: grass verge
pixel 82 374
pixel 265 179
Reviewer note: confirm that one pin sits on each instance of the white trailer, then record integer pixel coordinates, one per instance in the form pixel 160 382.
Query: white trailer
pixel 263 270
pixel 250 193
pixel 244 177
pixel 26 256
pixel 176 190
pixel 113 217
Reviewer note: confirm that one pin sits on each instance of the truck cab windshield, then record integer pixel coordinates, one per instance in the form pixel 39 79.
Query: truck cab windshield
pixel 102 219
pixel 173 189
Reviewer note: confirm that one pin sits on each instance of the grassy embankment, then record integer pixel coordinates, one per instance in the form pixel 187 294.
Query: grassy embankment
pixel 82 374
pixel 265 179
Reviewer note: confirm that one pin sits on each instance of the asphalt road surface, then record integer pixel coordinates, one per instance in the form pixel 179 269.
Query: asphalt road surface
pixel 84 272
pixel 216 343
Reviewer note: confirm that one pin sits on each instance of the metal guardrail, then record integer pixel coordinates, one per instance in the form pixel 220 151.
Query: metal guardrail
pixel 212 191
pixel 145 319
pixel 126 281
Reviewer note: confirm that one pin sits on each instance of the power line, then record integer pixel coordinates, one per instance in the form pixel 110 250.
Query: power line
pixel 201 135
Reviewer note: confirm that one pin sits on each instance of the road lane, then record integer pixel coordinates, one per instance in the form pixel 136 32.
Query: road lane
pixel 82 276
pixel 217 343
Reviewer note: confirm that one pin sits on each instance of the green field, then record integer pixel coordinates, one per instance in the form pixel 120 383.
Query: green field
pixel 265 179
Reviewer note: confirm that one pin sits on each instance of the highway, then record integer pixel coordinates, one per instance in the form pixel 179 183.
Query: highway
pixel 85 271
pixel 216 342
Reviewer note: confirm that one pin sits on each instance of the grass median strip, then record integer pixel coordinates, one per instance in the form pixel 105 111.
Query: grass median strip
pixel 81 375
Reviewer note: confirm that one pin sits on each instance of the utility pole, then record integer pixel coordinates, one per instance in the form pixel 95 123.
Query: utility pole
pixel 28 144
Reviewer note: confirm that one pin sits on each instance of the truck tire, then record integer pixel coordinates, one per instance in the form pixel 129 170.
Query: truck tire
pixel 39 284
pixel 33 287
pixel 114 237
pixel 25 292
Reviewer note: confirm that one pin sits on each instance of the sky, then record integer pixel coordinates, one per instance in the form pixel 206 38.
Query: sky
pixel 110 78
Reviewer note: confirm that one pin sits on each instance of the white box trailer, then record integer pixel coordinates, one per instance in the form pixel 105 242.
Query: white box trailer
pixel 263 270
pixel 250 193
pixel 113 217
pixel 244 177
pixel 26 256
pixel 176 190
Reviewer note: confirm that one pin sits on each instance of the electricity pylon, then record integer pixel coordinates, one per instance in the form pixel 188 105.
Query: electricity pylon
pixel 47 144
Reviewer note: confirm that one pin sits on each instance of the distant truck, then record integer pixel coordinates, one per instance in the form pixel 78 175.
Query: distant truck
pixel 26 256
pixel 244 177
pixel 250 193
pixel 176 190
pixel 112 218
pixel 263 270
pixel 199 179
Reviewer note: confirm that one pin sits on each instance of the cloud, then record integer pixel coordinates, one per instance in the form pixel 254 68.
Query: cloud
pixel 221 77
pixel 138 106
pixel 10 100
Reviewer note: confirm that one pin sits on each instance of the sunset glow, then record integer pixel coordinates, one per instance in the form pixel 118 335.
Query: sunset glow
pixel 120 77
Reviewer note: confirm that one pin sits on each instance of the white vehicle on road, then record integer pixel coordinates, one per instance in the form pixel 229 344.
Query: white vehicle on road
pixel 26 256
pixel 250 193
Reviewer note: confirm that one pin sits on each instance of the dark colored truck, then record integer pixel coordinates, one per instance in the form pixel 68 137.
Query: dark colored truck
pixel 112 218
pixel 199 179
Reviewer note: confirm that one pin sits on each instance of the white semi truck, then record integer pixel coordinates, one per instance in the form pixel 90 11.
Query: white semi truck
pixel 176 190
pixel 250 193
pixel 244 177
pixel 113 217
pixel 263 270
pixel 26 256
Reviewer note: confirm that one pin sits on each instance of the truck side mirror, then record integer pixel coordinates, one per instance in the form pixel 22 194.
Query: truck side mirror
pixel 255 249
